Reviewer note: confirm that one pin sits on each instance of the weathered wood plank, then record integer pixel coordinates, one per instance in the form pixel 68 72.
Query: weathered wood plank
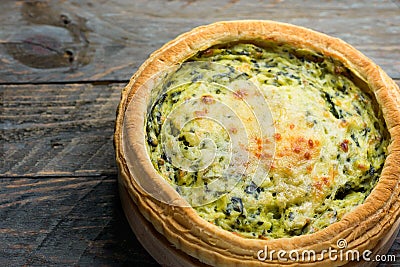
pixel 56 130
pixel 71 221
pixel 53 130
pixel 70 40
pixel 66 221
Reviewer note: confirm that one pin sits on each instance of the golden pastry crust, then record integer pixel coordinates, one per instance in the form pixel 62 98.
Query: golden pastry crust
pixel 363 228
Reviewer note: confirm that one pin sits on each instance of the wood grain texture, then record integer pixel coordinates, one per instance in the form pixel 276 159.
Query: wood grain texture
pixel 53 130
pixel 70 40
pixel 59 129
pixel 69 221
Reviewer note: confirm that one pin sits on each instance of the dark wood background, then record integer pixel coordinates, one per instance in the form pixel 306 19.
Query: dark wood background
pixel 63 64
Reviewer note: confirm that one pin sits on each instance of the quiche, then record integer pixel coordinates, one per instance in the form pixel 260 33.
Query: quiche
pixel 242 135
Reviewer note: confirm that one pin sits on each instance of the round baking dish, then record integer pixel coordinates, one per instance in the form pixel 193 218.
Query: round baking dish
pixel 170 228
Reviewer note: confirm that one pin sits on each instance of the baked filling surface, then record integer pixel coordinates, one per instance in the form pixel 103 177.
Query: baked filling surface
pixel 323 159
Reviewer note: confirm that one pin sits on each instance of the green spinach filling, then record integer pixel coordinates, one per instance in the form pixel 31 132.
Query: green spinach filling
pixel 330 139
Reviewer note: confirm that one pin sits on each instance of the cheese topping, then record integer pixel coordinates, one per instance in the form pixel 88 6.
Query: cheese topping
pixel 322 160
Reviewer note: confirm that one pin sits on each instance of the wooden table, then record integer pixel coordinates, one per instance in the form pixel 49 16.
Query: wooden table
pixel 63 64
